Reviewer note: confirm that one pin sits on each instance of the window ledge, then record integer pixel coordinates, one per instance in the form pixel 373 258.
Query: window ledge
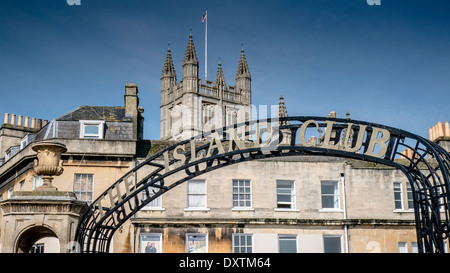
pixel 402 210
pixel 288 210
pixel 197 209
pixel 156 209
pixel 238 209
pixel 331 210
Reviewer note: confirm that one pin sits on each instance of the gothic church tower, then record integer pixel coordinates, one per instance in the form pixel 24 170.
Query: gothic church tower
pixel 191 106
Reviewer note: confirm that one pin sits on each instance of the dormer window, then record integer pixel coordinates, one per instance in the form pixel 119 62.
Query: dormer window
pixel 11 152
pixel 91 129
pixel 26 140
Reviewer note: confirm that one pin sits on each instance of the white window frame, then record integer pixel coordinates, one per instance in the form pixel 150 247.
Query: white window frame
pixel 203 194
pixel 414 247
pixel 197 234
pixel 402 247
pixel 37 181
pixel 99 123
pixel 292 195
pixel 83 190
pixel 26 140
pixel 403 196
pixel 236 194
pixel 10 192
pixel 246 246
pixel 287 236
pixel 13 150
pixel 398 196
pixel 409 197
pixel 155 204
pixel 335 195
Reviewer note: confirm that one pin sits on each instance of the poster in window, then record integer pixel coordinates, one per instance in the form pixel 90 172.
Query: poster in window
pixel 150 243
pixel 196 244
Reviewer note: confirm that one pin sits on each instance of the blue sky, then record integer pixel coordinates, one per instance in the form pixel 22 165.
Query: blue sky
pixel 387 63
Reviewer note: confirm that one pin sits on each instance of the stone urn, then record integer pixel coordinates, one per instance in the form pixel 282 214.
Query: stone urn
pixel 48 162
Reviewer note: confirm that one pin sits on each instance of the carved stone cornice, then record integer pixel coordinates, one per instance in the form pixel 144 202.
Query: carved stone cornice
pixel 34 203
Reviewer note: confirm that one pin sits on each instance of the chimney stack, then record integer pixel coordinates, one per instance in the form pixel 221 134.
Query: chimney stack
pixel 131 100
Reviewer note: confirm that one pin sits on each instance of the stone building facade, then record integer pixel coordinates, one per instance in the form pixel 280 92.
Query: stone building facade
pixel 102 144
pixel 294 204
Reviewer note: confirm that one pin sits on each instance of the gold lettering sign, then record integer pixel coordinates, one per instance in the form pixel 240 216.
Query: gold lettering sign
pixel 350 140
pixel 303 132
pixel 359 139
pixel 385 135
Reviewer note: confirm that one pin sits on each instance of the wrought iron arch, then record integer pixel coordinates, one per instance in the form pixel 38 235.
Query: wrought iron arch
pixel 427 169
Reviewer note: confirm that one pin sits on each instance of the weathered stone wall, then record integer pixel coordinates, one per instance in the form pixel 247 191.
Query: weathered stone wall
pixel 11 135
pixel 367 192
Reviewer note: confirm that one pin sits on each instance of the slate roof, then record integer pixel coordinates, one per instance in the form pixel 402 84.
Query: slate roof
pixel 107 113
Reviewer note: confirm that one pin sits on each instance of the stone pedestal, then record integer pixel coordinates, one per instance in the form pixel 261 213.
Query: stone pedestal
pixel 30 216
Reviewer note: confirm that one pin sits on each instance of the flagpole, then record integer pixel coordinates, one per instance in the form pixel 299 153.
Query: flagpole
pixel 206 45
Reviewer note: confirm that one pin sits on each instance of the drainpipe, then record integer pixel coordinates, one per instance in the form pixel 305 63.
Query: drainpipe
pixel 342 180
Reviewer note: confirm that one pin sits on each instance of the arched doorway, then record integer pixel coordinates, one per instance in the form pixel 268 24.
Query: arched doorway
pixel 25 220
pixel 38 239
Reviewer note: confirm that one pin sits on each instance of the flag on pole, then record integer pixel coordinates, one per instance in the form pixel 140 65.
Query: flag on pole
pixel 204 17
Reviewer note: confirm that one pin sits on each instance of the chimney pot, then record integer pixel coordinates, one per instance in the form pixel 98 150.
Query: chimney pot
pixel 447 128
pixel 440 128
pixel 6 121
pixel 435 132
pixel 13 119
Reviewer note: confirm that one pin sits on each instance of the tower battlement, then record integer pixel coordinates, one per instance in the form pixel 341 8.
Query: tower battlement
pixel 197 97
